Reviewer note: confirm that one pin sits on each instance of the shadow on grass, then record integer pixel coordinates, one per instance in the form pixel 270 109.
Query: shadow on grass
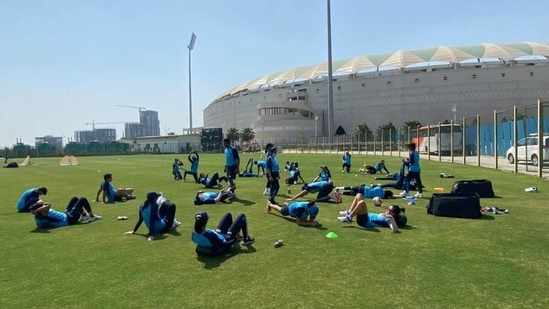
pixel 487 217
pixel 40 230
pixel 369 229
pixel 243 201
pixel 162 236
pixel 213 262
pixel 319 227
pixel 407 227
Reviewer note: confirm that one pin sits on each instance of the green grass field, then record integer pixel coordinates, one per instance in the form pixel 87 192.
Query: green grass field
pixel 495 262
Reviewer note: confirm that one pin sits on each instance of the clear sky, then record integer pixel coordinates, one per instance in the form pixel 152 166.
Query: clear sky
pixel 65 63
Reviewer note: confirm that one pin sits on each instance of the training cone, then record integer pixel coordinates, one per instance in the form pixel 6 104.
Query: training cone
pixel 331 235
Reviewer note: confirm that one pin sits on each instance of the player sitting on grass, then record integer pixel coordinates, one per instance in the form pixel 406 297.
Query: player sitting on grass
pixel 213 182
pixel 29 198
pixel 365 219
pixel 224 236
pixel 324 174
pixel 213 197
pixel 110 194
pixel 324 189
pixel 305 213
pixel 46 217
pixel 157 220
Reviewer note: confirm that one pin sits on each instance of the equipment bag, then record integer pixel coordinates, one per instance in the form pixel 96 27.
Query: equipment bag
pixel 456 205
pixel 482 187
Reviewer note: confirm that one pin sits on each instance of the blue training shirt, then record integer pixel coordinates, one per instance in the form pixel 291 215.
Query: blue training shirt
pixel 148 212
pixel 325 176
pixel 347 159
pixel 314 187
pixel 27 199
pixel 194 166
pixel 262 163
pixel 373 192
pixel 414 161
pixel 377 220
pixel 208 196
pixel 231 155
pixel 53 219
pixel 208 239
pixel 111 191
pixel 272 164
pixel 298 210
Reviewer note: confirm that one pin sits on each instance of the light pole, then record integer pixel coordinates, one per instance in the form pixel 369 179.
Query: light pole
pixel 454 110
pixel 190 47
pixel 330 79
pixel 316 127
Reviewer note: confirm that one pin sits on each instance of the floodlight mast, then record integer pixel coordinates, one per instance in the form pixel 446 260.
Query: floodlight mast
pixel 191 47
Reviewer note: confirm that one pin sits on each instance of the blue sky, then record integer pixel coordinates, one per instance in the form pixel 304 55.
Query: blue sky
pixel 64 63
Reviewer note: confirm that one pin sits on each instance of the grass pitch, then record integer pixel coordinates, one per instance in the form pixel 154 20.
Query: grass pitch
pixel 495 262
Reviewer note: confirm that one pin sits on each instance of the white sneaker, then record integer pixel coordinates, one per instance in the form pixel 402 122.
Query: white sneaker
pixel 267 192
pixel 345 219
pixel 418 195
pixel 403 193
pixel 85 217
pixel 343 171
pixel 175 223
pixel 94 218
pixel 344 213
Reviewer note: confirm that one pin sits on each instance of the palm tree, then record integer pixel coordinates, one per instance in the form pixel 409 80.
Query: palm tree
pixel 232 134
pixel 247 134
pixel 387 130
pixel 362 131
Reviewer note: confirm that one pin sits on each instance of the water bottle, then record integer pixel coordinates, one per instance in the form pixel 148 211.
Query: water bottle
pixel 278 243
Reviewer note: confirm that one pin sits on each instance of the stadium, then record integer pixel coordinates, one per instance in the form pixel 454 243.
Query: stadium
pixel 429 85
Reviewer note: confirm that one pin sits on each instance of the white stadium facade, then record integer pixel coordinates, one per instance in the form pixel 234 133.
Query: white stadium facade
pixel 422 85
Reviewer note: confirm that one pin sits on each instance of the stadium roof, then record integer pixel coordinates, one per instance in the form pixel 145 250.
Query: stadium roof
pixel 399 59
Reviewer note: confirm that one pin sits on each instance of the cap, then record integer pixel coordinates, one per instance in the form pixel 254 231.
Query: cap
pixel 201 216
pixel 269 146
pixel 152 196
pixel 323 166
pixel 313 211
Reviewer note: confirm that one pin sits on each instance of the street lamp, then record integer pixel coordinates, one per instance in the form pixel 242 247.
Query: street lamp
pixel 190 47
pixel 454 110
pixel 330 79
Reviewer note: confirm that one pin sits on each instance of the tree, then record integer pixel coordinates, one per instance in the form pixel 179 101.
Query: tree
pixel 362 131
pixel 412 124
pixel 247 134
pixel 232 134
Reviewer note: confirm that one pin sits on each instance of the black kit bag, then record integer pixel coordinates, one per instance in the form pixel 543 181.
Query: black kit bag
pixel 482 187
pixel 456 205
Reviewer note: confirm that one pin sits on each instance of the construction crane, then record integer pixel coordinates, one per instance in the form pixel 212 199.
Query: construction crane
pixel 130 106
pixel 93 123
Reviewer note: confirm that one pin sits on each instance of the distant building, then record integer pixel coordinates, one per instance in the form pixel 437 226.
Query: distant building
pixel 133 130
pixel 55 141
pixel 149 121
pixel 97 135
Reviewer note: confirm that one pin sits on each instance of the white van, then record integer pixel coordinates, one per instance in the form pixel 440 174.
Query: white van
pixel 527 150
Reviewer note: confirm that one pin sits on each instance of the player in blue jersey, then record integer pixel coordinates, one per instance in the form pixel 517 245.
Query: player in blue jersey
pixel 158 213
pixel 176 169
pixel 213 197
pixel 378 168
pixel 273 174
pixel 305 213
pixel 194 159
pixel 214 181
pixel 232 163
pixel 414 171
pixel 224 236
pixel 324 174
pixel 365 219
pixel 323 188
pixel 267 190
pixel 366 191
pixel 29 198
pixel 111 194
pixel 346 166
pixel 78 209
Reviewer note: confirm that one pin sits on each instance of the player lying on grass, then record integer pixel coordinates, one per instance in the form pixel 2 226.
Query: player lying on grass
pixel 378 168
pixel 223 195
pixel 110 194
pixel 365 219
pixel 305 213
pixel 78 209
pixel 157 220
pixel 225 235
pixel 366 191
pixel 29 198
pixel 214 181
pixel 323 188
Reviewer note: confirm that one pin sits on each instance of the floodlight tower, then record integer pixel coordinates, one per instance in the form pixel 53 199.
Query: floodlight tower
pixel 190 47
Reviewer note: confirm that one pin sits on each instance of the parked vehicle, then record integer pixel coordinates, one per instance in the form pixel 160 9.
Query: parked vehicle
pixel 527 150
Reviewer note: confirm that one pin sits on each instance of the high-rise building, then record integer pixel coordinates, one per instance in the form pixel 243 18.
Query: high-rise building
pixel 97 135
pixel 56 141
pixel 133 129
pixel 150 122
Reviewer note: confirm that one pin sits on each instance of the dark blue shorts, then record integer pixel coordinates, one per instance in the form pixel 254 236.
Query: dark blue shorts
pixel 231 172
